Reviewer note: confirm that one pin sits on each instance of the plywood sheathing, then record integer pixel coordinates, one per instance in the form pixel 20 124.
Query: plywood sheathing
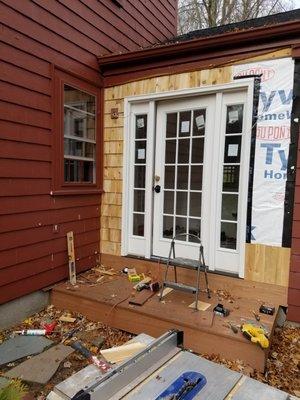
pixel 111 210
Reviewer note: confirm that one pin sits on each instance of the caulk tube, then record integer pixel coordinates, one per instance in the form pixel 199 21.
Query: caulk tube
pixel 32 332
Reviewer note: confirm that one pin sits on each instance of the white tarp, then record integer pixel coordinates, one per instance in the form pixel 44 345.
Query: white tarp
pixel 272 147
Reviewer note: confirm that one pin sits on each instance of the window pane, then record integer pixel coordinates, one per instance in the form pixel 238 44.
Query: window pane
pixel 185 123
pixel 139 200
pixel 79 171
pixel 228 235
pixel 139 176
pixel 171 130
pixel 234 122
pixel 196 177
pixel 80 100
pixel 168 202
pixel 182 177
pixel 181 227
pixel 181 203
pixel 138 224
pixel 140 152
pixel 168 227
pixel 170 151
pixel 195 204
pixel 231 174
pixel 229 206
pixel 169 177
pixel 199 122
pixel 78 124
pixel 197 150
pixel 194 229
pixel 183 151
pixel 141 126
pixel 232 152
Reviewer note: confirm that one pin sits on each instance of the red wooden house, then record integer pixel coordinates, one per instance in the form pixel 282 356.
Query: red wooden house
pixel 49 67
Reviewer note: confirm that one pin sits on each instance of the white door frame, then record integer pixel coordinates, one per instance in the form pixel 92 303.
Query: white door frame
pixel 149 101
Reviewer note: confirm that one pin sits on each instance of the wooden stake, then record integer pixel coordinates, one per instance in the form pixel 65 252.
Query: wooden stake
pixel 71 255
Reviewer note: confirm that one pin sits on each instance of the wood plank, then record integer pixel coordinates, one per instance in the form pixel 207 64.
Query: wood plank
pixel 267 264
pixel 140 298
pixel 121 353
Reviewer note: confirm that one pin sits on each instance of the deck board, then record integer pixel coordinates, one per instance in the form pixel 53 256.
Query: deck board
pixel 204 332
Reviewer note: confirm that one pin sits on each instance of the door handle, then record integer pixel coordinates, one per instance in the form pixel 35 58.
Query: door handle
pixel 157 189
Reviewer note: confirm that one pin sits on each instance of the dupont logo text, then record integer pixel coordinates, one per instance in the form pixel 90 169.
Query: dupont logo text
pixel 267 73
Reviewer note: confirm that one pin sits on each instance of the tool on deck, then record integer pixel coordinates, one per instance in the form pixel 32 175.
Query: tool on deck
pixel 221 310
pixel 71 255
pixel 269 310
pixel 255 334
pixel 233 327
pixel 257 317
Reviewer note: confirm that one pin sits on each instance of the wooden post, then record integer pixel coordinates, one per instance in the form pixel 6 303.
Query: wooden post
pixel 71 255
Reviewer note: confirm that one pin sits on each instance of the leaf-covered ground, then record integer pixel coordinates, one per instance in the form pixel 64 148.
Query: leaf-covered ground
pixel 283 366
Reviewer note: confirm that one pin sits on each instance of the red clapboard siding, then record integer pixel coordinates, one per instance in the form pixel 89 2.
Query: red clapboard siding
pixel 20 95
pixel 38 36
pixel 25 61
pixel 24 151
pixel 37 250
pixel 24 133
pixel 37 266
pixel 29 284
pixel 293 313
pixel 20 77
pixel 23 187
pixel 33 219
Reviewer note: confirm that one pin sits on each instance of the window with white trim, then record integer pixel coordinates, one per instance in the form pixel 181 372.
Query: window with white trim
pixel 79 136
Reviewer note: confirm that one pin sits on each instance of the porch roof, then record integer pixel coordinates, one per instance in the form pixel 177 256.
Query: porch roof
pixel 206 48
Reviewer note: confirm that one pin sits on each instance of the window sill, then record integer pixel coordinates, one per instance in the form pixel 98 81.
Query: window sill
pixel 74 192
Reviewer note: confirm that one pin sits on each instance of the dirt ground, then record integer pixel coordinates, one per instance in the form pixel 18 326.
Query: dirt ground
pixel 282 372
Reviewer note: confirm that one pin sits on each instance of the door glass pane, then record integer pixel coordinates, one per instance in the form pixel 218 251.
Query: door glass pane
pixel 168 202
pixel 184 123
pixel 141 126
pixel 232 151
pixel 139 176
pixel 194 228
pixel 168 227
pixel 189 151
pixel 181 203
pixel 195 204
pixel 182 177
pixel 138 224
pixel 139 201
pixel 229 207
pixel 140 151
pixel 234 120
pixel 171 130
pixel 199 123
pixel 228 235
pixel 196 177
pixel 197 150
pixel 181 227
pixel 170 151
pixel 183 151
pixel 169 177
pixel 231 175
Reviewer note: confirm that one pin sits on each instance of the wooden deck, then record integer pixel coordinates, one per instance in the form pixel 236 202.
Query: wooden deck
pixel 204 333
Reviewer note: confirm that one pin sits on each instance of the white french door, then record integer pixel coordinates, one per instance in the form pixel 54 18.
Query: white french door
pixel 188 173
pixel 182 172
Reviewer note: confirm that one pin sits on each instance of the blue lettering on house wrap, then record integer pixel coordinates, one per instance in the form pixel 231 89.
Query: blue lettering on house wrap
pixel 267 99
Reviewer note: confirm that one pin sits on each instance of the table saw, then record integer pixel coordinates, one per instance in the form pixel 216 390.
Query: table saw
pixel 164 371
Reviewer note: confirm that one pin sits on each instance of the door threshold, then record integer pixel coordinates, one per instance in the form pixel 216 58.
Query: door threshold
pixel 163 260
